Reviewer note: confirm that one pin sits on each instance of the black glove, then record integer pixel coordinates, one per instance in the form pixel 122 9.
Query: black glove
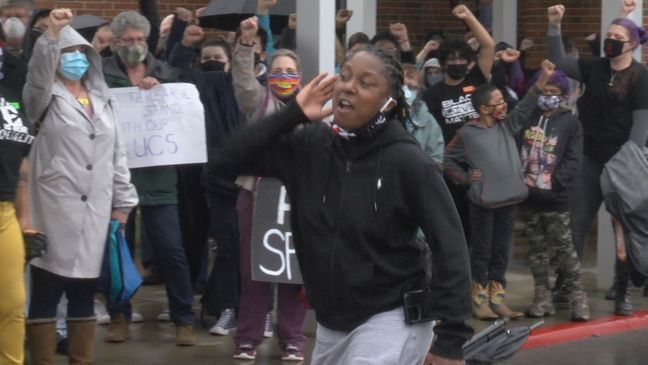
pixel 35 244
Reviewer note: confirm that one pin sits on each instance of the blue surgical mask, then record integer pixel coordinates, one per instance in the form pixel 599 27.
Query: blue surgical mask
pixel 410 94
pixel 548 102
pixel 74 65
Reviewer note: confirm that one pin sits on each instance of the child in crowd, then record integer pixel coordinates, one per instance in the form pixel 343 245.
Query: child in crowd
pixel 494 176
pixel 551 150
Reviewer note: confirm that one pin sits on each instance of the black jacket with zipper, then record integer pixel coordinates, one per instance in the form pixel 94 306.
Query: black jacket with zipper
pixel 356 207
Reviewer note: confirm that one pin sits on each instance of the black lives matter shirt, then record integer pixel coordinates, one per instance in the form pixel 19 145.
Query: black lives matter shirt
pixel 452 105
pixel 16 138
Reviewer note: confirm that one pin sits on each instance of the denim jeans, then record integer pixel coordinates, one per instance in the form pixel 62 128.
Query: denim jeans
pixel 162 226
pixel 47 289
pixel 490 242
pixel 586 201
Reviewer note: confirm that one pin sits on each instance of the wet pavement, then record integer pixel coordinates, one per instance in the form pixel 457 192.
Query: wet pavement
pixel 152 342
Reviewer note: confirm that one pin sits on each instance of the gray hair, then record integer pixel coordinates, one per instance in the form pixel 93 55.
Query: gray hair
pixel 283 52
pixel 129 19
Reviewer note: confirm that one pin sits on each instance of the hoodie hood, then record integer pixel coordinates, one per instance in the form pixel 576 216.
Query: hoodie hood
pixel 70 38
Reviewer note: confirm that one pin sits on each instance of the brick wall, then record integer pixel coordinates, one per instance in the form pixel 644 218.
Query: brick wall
pixel 421 17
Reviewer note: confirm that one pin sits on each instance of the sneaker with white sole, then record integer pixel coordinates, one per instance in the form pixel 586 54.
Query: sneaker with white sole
pixel 136 318
pixel 245 352
pixel 164 316
pixel 292 353
pixel 104 318
pixel 226 323
pixel 268 330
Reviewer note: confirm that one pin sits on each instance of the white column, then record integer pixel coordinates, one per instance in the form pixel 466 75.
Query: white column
pixel 605 238
pixel 364 17
pixel 316 36
pixel 505 14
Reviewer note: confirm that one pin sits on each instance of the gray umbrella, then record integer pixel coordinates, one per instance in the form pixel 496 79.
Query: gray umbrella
pixel 497 342
pixel 228 14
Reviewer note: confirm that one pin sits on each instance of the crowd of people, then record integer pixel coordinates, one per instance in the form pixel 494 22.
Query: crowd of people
pixel 404 191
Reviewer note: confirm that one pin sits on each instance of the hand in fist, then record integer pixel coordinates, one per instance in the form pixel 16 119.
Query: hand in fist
pixel 556 14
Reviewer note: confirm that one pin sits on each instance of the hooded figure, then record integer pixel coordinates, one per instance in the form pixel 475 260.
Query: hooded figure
pixel 78 162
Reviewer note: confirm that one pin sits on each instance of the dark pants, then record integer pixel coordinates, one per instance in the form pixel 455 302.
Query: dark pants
pixel 585 203
pixel 490 242
pixel 194 222
pixel 461 202
pixel 47 289
pixel 256 296
pixel 223 287
pixel 162 226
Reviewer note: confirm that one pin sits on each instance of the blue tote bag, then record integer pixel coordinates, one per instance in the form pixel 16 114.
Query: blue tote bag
pixel 124 278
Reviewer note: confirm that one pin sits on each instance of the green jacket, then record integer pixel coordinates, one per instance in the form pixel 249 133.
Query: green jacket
pixel 155 185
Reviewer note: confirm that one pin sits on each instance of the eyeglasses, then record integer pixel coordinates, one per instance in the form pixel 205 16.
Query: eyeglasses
pixel 133 40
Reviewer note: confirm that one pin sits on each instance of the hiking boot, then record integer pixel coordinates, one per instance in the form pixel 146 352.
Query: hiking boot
pixel 542 304
pixel 226 323
pixel 268 330
pixel 245 352
pixel 185 335
pixel 292 353
pixel 119 330
pixel 496 296
pixel 481 308
pixel 580 311
pixel 622 304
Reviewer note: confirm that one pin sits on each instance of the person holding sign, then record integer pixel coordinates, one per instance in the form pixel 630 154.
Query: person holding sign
pixel 133 65
pixel 256 101
pixel 359 192
pixel 80 175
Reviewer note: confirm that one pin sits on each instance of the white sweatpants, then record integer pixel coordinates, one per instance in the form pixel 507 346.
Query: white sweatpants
pixel 385 339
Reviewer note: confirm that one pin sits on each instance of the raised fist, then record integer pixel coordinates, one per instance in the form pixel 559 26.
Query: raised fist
pixel 462 12
pixel 249 29
pixel 59 18
pixel 193 35
pixel 556 14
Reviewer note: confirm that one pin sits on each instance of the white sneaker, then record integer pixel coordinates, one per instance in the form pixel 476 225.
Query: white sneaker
pixel 101 312
pixel 268 330
pixel 164 316
pixel 226 323
pixel 136 318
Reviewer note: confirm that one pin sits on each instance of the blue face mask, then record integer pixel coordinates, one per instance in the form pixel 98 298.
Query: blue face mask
pixel 410 94
pixel 74 65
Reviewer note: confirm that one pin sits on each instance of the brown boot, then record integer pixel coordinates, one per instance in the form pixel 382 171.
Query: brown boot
pixel 41 341
pixel 481 310
pixel 185 335
pixel 496 295
pixel 119 330
pixel 81 335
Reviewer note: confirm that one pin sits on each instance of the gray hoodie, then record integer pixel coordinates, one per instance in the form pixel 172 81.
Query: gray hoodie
pixel 494 152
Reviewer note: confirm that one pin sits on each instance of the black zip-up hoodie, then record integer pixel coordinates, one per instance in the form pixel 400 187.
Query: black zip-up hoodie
pixel 355 209
pixel 551 153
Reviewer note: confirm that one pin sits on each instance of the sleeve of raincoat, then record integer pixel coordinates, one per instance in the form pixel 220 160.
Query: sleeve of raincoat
pixel 435 212
pixel 247 89
pixel 41 74
pixel 124 193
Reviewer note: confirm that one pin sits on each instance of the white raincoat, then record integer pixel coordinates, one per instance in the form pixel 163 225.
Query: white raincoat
pixel 78 164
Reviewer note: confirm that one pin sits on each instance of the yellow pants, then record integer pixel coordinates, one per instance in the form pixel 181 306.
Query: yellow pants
pixel 12 284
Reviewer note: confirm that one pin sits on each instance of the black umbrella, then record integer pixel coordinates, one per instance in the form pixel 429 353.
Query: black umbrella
pixel 228 14
pixel 497 343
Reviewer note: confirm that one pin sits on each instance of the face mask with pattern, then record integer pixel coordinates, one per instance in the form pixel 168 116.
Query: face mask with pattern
pixel 284 85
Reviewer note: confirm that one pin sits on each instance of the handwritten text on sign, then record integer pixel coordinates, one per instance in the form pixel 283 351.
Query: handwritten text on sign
pixel 273 251
pixel 162 126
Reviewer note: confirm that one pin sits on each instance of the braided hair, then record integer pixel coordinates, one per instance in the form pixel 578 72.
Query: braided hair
pixel 396 78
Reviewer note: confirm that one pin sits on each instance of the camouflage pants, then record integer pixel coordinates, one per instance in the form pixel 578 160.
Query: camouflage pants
pixel 541 228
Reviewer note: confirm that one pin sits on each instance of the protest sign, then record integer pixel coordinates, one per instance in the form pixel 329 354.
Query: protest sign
pixel 273 251
pixel 162 126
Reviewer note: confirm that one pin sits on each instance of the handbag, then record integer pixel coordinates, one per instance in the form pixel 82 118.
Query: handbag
pixel 124 278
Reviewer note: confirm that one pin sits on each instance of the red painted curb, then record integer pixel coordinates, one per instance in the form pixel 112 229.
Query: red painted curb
pixel 574 331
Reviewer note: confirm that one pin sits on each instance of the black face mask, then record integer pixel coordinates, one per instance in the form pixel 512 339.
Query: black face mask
pixel 456 72
pixel 613 47
pixel 212 65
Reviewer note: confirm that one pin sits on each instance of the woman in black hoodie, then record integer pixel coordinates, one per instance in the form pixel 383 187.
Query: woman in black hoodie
pixel 359 192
